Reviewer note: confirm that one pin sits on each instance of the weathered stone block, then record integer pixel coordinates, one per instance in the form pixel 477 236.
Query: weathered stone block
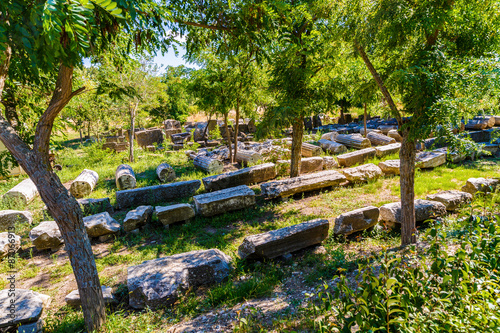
pixel 23 192
pixel 275 243
pixel 174 213
pixel 424 210
pixel 73 298
pixel 430 159
pixel 94 206
pixel 155 194
pixel 390 167
pixel 222 201
pixel 485 185
pixel 356 157
pixel 362 173
pixel 8 218
pixel 9 243
pixel 100 224
pixel 29 306
pixel 381 151
pixel 84 183
pixel 46 235
pixel 159 282
pixel 310 182
pixel 137 218
pixel 252 175
pixel 451 199
pixel 356 220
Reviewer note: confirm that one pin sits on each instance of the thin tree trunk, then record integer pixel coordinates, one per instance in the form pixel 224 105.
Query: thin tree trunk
pixel 62 206
pixel 4 67
pixel 132 132
pixel 364 120
pixel 407 183
pixel 10 104
pixel 228 137
pixel 298 131
pixel 81 136
pixel 236 128
pixel 378 80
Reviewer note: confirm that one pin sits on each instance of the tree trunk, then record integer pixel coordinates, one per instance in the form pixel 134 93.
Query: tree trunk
pixel 298 131
pixel 236 127
pixel 132 132
pixel 81 136
pixel 364 121
pixel 4 67
pixel 63 207
pixel 407 183
pixel 228 136
pixel 378 80
pixel 10 104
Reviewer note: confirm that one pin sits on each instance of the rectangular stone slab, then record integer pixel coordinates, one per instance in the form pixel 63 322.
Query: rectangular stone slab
pixel 255 174
pixel 430 159
pixel 275 243
pixel 219 202
pixel 387 149
pixel 310 182
pixel 355 157
pixel 155 194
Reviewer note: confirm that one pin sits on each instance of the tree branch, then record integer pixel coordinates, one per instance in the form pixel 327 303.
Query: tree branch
pixel 4 68
pixel 60 98
pixel 206 26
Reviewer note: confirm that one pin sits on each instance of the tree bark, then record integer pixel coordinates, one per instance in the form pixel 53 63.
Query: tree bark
pixel 228 136
pixel 378 80
pixel 407 183
pixel 236 128
pixel 4 68
pixel 10 103
pixel 298 131
pixel 364 120
pixel 132 132
pixel 62 206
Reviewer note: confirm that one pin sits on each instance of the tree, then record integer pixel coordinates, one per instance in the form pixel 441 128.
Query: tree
pixel 433 57
pixel 39 37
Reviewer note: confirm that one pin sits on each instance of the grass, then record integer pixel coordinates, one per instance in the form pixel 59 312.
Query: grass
pixel 224 232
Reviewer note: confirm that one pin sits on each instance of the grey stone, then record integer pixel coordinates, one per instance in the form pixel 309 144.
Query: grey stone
pixel 246 176
pixel 307 165
pixel 424 210
pixel 452 199
pixel 381 151
pixel 9 243
pixel 100 224
pixel 329 163
pixel 23 192
pixel 390 167
pixel 8 218
pixel 430 159
pixel 356 157
pixel 84 184
pixel 36 327
pixel 356 220
pixel 94 206
pixel 310 182
pixel 155 194
pixel 73 298
pixel 159 282
pixel 279 242
pixel 137 218
pixel 28 307
pixel 174 213
pixel 362 173
pixel 485 185
pixel 46 235
pixel 219 202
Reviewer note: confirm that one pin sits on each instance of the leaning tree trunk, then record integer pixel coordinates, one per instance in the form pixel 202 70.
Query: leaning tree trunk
pixel 298 131
pixel 407 183
pixel 228 136
pixel 63 207
pixel 236 128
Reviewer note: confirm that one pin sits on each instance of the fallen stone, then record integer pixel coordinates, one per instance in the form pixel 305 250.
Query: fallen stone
pixel 424 210
pixel 390 167
pixel 307 165
pixel 174 213
pixel 329 163
pixel 356 157
pixel 9 244
pixel 73 298
pixel 395 134
pixel 452 199
pixel 353 141
pixel 23 192
pixel 125 177
pixel 379 139
pixel 332 147
pixel 382 151
pixel 310 182
pixel 84 183
pixel 36 327
pixel 430 159
pixel 362 173
pixel 329 136
pixel 485 185
pixel 165 172
pixel 100 224
pixel 279 242
pixel 9 218
pixel 29 306
pixel 156 194
pixel 219 202
pixel 137 218
pixel 94 206
pixel 310 150
pixel 246 176
pixel 159 282
pixel 356 220
pixel 149 137
pixel 46 235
